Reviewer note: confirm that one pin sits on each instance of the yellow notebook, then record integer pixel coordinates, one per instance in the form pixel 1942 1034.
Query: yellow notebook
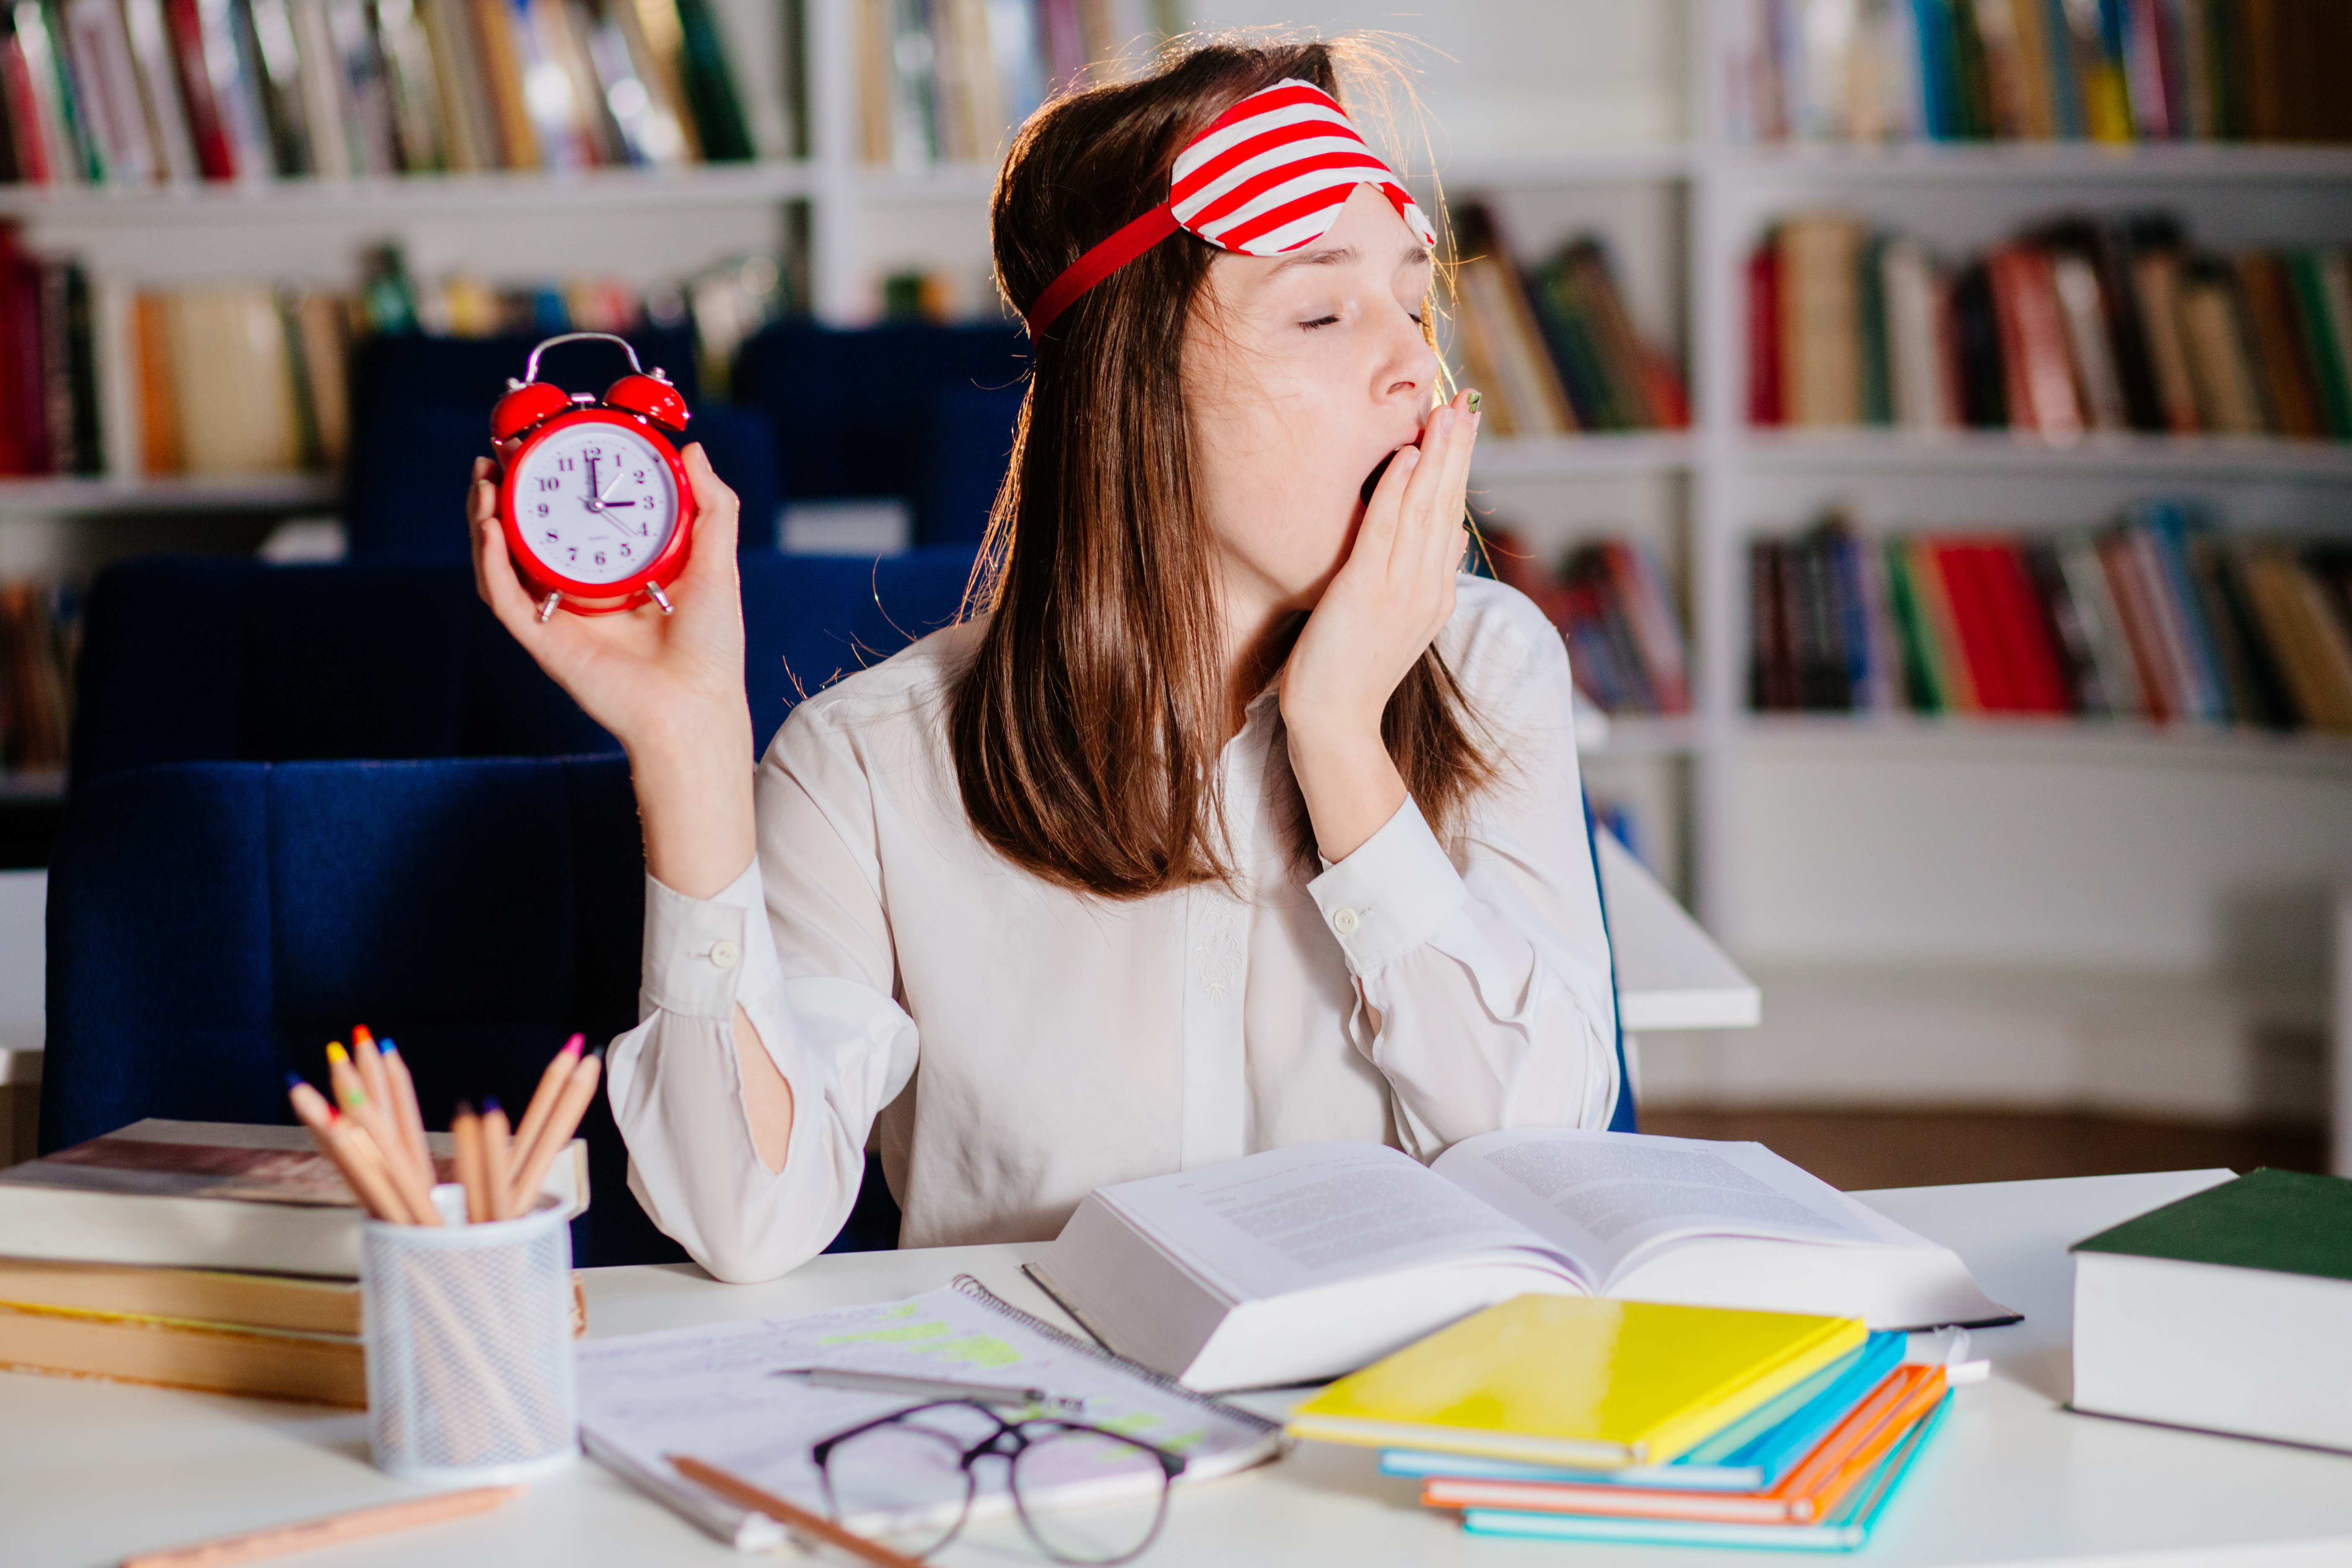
pixel 1576 1381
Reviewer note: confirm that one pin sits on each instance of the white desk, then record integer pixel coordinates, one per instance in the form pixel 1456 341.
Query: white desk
pixel 90 1472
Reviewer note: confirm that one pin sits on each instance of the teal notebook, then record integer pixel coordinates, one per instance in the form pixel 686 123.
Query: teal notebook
pixel 1843 1530
pixel 1751 1455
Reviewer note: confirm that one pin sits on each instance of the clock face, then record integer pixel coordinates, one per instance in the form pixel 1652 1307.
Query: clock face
pixel 594 500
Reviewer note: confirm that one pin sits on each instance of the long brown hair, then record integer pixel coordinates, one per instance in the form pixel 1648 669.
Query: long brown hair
pixel 1085 731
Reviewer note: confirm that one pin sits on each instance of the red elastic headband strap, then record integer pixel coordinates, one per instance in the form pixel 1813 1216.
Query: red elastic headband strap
pixel 1098 264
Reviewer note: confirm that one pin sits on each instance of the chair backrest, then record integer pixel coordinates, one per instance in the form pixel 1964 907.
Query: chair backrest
pixel 195 659
pixel 923 413
pixel 212 925
pixel 421 414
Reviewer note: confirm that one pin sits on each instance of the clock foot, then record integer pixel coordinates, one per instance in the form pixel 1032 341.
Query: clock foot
pixel 660 598
pixel 548 608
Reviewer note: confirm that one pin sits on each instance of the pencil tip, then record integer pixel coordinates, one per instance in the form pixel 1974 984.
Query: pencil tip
pixel 571 1047
pixel 465 1108
pixel 335 1052
pixel 360 1034
pixel 386 1048
pixel 296 1080
pixel 489 1103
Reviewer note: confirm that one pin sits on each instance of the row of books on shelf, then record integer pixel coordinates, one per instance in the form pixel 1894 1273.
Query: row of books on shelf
pixel 131 92
pixel 2103 70
pixel 944 82
pixel 1614 605
pixel 2162 615
pixel 2115 324
pixel 1552 347
pixel 254 378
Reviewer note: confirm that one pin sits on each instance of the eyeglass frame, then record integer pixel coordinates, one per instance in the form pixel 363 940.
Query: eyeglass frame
pixel 1172 1465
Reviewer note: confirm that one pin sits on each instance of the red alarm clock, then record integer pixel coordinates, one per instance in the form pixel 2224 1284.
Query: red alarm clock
pixel 598 514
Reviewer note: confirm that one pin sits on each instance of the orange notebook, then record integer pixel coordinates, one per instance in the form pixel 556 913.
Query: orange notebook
pixel 1811 1491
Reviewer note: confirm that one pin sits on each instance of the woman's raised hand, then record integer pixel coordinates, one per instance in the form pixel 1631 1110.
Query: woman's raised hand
pixel 669 687
pixel 1387 602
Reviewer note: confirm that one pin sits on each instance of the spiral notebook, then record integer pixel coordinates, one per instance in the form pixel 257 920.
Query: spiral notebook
pixel 707 1390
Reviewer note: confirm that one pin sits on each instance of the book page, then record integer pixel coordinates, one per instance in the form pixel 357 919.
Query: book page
pixel 723 1393
pixel 1604 1198
pixel 1290 1219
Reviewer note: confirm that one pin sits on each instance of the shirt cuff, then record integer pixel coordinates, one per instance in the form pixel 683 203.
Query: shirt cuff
pixel 695 948
pixel 1386 897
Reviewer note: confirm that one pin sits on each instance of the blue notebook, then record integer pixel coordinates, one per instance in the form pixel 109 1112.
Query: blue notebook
pixel 1843 1530
pixel 1751 1455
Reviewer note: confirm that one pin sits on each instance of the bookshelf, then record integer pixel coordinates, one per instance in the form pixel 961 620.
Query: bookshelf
pixel 1630 140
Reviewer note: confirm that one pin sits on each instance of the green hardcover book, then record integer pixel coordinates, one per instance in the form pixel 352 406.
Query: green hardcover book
pixel 1877 367
pixel 710 94
pixel 2225 1312
pixel 2327 339
pixel 1922 680
pixel 1560 307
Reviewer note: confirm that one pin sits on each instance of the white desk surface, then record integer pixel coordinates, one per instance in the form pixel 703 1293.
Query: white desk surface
pixel 90 1472
pixel 1670 973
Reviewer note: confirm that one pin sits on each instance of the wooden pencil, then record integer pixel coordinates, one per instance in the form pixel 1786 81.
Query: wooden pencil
pixel 555 1133
pixel 301 1536
pixel 543 1098
pixel 375 1119
pixel 465 1133
pixel 332 1132
pixel 736 1490
pixel 497 1160
pixel 405 1111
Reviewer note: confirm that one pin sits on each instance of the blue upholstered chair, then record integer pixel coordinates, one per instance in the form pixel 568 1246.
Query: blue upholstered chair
pixel 922 413
pixel 196 658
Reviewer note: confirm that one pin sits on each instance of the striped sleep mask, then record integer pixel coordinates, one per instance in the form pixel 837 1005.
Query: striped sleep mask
pixel 1267 175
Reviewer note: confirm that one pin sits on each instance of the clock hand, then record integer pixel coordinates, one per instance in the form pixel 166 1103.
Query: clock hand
pixel 594 500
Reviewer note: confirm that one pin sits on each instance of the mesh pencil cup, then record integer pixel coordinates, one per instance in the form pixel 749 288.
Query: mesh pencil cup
pixel 469 1368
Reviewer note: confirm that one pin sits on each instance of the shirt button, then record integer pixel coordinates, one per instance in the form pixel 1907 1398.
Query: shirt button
pixel 1343 920
pixel 724 954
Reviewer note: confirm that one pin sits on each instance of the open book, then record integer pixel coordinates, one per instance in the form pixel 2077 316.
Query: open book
pixel 1304 1263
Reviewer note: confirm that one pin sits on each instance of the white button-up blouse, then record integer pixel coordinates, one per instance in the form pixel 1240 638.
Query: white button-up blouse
pixel 1017 1044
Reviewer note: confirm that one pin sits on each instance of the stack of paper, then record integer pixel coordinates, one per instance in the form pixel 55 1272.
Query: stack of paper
pixel 1602 1420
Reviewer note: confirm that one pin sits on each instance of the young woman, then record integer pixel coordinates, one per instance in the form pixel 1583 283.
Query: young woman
pixel 1235 819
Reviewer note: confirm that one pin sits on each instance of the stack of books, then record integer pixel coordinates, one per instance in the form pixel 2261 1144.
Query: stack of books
pixel 1610 601
pixel 2080 325
pixel 1553 349
pixel 2161 617
pixel 2109 70
pixel 181 90
pixel 1570 1419
pixel 195 1254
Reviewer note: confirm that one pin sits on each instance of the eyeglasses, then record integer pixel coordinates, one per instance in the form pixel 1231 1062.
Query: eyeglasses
pixel 910 1477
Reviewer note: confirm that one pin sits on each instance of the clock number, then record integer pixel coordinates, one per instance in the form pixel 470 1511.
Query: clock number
pixel 542 509
pixel 553 536
pixel 573 553
pixel 547 485
pixel 641 476
pixel 624 553
pixel 599 558
pixel 563 466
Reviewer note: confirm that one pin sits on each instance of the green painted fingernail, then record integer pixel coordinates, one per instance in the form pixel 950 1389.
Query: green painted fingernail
pixel 1474 402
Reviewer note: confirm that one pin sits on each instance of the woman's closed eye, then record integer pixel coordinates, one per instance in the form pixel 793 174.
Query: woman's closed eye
pixel 1320 321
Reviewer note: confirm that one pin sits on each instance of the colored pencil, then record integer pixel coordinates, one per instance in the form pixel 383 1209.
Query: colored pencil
pixel 335 1134
pixel 405 1112
pixel 543 1098
pixel 735 1490
pixel 301 1536
pixel 497 1160
pixel 466 1132
pixel 375 1119
pixel 555 1133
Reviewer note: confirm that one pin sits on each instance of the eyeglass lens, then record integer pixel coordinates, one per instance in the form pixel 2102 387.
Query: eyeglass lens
pixel 1085 1497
